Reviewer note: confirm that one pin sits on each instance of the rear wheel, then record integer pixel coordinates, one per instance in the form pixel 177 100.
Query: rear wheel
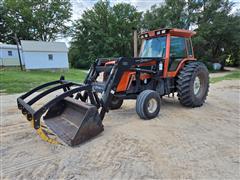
pixel 116 103
pixel 193 84
pixel 148 104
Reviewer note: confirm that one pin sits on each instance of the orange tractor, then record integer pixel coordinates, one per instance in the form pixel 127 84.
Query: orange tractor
pixel 165 65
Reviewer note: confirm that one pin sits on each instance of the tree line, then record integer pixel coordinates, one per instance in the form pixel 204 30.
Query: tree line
pixel 106 30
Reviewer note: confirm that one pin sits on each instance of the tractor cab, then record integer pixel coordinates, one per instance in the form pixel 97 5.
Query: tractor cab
pixel 173 45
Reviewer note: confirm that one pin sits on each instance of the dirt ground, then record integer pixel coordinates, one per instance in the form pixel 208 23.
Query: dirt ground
pixel 181 143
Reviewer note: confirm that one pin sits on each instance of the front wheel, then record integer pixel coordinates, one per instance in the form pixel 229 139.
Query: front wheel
pixel 193 84
pixel 148 104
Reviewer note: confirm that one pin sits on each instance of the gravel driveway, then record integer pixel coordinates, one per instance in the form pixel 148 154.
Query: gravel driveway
pixel 181 143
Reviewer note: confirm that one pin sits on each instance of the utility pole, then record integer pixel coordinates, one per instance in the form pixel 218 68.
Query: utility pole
pixel 19 55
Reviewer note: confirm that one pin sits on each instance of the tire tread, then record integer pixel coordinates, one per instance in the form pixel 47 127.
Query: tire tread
pixel 183 84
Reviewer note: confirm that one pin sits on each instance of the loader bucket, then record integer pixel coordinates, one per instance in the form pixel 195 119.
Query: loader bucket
pixel 73 121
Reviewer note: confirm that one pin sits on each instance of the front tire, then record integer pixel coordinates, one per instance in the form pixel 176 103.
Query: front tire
pixel 193 84
pixel 148 104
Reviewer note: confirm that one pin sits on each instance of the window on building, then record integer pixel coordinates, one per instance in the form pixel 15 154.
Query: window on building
pixel 10 53
pixel 50 57
pixel 178 48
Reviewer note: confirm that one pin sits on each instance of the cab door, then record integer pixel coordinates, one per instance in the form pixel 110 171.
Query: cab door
pixel 178 51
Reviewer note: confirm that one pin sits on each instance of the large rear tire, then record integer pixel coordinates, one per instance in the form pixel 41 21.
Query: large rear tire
pixel 148 104
pixel 193 84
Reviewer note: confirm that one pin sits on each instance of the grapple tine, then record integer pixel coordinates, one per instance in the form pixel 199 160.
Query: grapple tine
pixel 47 131
pixel 43 135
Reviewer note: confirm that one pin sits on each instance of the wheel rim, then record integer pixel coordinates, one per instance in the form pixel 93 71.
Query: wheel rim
pixel 152 105
pixel 196 85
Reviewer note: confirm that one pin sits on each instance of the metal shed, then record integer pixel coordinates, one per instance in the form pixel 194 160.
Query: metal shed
pixel 9 55
pixel 44 55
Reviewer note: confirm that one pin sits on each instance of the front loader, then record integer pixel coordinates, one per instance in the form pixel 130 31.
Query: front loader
pixel 165 65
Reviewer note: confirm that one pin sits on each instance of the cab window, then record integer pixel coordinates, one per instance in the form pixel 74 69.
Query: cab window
pixel 177 47
pixel 189 47
pixel 155 47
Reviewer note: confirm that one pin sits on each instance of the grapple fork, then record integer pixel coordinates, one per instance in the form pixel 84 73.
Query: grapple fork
pixel 70 119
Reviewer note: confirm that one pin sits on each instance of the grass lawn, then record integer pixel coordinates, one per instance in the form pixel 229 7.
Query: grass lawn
pixel 14 80
pixel 232 75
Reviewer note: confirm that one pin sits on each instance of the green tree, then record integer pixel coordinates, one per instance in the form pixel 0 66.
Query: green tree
pixel 218 29
pixel 218 33
pixel 234 42
pixel 91 36
pixel 172 13
pixel 125 20
pixel 155 18
pixel 34 19
pixel 103 31
pixel 4 29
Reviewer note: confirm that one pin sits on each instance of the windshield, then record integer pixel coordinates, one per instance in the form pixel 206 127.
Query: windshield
pixel 155 47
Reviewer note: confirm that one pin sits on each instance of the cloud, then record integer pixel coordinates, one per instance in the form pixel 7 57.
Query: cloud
pixel 142 5
pixel 80 5
pixel 236 5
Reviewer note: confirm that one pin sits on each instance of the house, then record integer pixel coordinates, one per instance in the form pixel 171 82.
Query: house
pixel 9 55
pixel 44 55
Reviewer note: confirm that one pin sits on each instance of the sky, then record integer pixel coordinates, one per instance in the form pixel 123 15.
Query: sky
pixel 142 5
pixel 79 6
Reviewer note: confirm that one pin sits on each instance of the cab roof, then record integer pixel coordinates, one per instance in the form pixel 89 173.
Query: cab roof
pixel 164 31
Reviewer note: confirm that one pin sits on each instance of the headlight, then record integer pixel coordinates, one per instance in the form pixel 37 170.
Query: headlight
pixel 158 33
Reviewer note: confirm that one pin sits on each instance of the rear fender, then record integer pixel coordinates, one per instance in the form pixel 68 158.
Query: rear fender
pixel 180 66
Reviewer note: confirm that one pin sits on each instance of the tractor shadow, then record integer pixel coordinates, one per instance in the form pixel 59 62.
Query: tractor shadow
pixel 128 113
pixel 170 102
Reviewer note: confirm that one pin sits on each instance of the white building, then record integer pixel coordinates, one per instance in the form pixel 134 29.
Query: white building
pixel 35 55
pixel 9 55
pixel 44 55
